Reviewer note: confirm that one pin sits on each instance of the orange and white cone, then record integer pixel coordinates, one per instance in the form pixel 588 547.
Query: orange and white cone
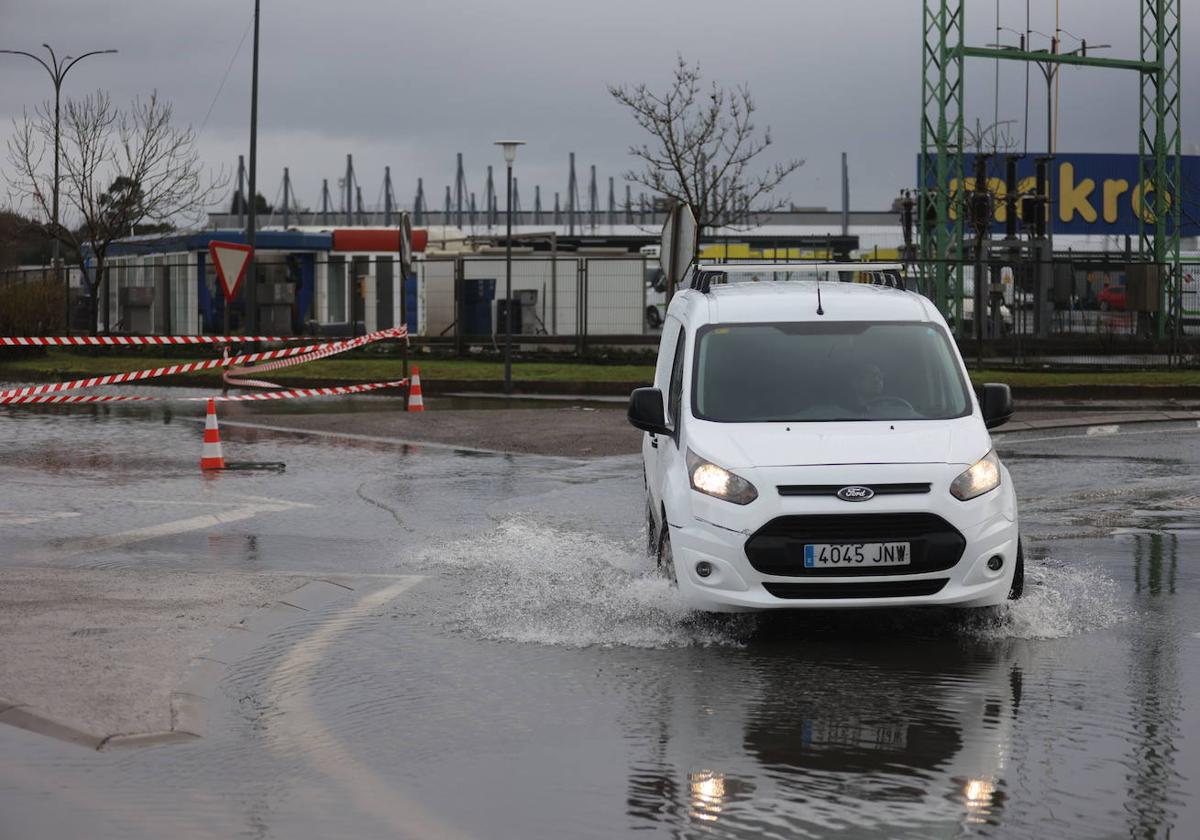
pixel 415 401
pixel 211 457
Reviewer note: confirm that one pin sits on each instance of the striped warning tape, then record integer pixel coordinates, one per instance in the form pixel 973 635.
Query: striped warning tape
pixel 313 355
pixel 136 340
pixel 292 355
pixel 289 394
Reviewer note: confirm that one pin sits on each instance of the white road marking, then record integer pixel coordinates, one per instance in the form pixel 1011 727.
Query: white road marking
pixel 9 517
pixel 1093 431
pixel 289 685
pixel 84 545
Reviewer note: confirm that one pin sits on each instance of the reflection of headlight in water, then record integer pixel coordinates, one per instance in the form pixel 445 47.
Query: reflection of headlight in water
pixel 979 796
pixel 708 794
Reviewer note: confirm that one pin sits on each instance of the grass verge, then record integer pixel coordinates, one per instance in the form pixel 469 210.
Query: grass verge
pixel 374 368
pixel 65 364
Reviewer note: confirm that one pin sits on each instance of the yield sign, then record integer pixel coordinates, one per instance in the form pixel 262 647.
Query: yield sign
pixel 231 260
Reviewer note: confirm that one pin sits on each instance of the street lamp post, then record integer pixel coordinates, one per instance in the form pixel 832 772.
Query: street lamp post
pixel 58 70
pixel 1050 72
pixel 250 299
pixel 510 155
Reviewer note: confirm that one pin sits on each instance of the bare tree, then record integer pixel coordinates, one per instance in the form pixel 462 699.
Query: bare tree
pixel 123 173
pixel 704 142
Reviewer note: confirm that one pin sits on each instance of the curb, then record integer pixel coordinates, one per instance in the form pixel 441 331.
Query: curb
pixel 190 702
pixel 1094 420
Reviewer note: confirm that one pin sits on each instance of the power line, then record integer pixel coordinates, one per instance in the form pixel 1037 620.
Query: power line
pixel 225 78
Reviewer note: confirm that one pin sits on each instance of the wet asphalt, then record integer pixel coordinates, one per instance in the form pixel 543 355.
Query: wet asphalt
pixel 519 671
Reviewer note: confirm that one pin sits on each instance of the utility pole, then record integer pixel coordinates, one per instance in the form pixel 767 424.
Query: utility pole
pixel 845 196
pixel 251 298
pixel 419 203
pixel 572 193
pixel 349 194
pixel 387 196
pixel 287 199
pixel 58 71
pixel 510 155
pixel 460 186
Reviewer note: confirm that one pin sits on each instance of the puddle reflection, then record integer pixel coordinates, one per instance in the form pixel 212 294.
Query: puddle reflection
pixel 914 736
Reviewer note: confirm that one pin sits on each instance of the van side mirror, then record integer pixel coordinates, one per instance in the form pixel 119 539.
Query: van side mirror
pixel 996 403
pixel 646 411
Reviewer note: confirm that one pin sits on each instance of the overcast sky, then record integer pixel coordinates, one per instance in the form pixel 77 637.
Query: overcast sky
pixel 409 83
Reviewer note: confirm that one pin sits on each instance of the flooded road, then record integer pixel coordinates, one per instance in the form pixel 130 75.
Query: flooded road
pixel 518 671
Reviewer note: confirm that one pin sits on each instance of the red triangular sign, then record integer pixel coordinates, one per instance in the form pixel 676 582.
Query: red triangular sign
pixel 230 260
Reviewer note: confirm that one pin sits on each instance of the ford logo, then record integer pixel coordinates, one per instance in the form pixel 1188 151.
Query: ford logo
pixel 855 494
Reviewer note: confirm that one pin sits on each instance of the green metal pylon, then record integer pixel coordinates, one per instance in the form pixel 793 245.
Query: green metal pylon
pixel 1160 147
pixel 940 166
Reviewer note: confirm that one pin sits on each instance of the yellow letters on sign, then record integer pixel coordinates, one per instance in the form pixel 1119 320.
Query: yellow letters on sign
pixel 1114 188
pixel 1074 197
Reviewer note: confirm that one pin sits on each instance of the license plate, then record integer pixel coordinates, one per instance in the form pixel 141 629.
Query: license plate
pixel 830 734
pixel 856 555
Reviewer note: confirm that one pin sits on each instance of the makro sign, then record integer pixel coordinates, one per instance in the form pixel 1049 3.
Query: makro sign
pixel 1092 194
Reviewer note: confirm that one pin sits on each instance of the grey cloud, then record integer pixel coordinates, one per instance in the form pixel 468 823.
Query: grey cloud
pixel 409 84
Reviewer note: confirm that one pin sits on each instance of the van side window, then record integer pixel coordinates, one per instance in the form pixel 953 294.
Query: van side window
pixel 675 394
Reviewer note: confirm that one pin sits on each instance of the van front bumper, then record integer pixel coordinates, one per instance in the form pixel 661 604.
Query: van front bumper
pixel 733 584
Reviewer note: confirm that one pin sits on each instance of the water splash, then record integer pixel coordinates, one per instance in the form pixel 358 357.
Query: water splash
pixel 531 582
pixel 1059 601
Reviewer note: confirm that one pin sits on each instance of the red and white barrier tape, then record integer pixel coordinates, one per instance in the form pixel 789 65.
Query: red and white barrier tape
pixel 291 394
pixel 136 340
pixel 293 356
pixel 321 352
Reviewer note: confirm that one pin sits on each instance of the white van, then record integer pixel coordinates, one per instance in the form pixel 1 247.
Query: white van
pixel 814 443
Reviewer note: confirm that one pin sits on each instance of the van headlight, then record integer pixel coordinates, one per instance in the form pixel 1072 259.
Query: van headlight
pixel 718 482
pixel 980 477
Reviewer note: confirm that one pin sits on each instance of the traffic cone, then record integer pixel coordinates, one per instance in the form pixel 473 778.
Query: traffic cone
pixel 211 457
pixel 415 401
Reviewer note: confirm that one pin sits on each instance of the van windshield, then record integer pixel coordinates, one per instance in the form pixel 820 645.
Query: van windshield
pixel 760 373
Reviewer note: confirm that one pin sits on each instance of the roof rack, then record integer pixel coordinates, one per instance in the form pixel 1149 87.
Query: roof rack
pixel 891 275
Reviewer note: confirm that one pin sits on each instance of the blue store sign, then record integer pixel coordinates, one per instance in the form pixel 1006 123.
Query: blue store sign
pixel 1099 195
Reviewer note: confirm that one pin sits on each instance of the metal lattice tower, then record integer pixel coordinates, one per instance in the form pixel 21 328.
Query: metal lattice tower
pixel 940 167
pixel 1160 141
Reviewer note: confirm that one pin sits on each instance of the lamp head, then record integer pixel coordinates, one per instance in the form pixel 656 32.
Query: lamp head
pixel 510 149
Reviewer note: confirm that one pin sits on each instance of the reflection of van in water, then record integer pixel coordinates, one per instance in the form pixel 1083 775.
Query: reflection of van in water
pixel 907 737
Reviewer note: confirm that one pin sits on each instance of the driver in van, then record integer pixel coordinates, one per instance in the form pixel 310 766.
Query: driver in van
pixel 866 384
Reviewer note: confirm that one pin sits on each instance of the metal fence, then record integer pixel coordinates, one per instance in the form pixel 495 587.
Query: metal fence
pixel 556 299
pixel 1086 320
pixel 572 297
pixel 571 302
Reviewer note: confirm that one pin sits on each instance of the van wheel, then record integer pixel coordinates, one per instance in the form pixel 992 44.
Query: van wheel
pixel 666 557
pixel 1018 581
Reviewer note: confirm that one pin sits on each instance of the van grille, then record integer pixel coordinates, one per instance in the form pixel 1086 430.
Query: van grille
pixel 778 547
pixel 868 589
pixel 913 488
